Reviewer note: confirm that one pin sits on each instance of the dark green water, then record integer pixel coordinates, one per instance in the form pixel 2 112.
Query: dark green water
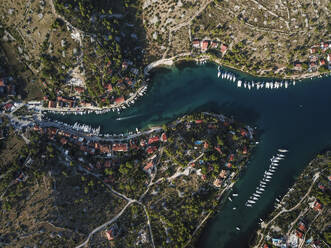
pixel 297 118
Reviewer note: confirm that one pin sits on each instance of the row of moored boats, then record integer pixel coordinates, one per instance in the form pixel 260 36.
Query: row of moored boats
pixel 267 177
pixel 252 84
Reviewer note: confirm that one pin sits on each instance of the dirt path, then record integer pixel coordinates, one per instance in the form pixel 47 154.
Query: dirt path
pixel 183 24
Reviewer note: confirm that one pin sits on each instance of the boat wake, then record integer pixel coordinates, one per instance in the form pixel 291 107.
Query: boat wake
pixel 127 117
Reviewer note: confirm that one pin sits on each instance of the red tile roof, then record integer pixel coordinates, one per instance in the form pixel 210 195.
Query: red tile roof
pixel 204 45
pixel 153 139
pixel 223 48
pixel 164 137
pixel 119 100
pixel 120 147
pixel 148 166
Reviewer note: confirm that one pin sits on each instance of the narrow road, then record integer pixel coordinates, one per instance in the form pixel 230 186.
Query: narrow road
pixel 264 226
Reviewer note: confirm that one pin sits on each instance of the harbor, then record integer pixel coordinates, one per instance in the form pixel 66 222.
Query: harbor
pixel 296 119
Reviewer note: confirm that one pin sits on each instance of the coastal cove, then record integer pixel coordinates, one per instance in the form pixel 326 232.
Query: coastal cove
pixel 297 118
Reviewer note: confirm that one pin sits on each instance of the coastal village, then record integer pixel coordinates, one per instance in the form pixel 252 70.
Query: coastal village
pixel 302 216
pixel 319 59
pixel 209 150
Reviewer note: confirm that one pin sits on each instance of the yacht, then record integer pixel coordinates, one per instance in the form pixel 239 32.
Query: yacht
pixel 218 74
pixel 234 208
pixel 272 170
pixel 282 150
pixel 281 155
pixel 234 79
pixel 263 183
pixel 255 198
pixel 239 83
pixel 261 189
pixel 249 205
pixel 249 86
pixel 234 194
pixel 267 180
pixel 245 84
pixel 257 191
pixel 257 195
pixel 251 201
pixel 230 199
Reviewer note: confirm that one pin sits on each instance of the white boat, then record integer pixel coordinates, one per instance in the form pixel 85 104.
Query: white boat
pixel 218 74
pixel 257 86
pixel 263 183
pixel 267 180
pixel 234 208
pixel 262 186
pixel 257 191
pixel 245 84
pixel 257 195
pixel 234 79
pixel 249 205
pixel 239 83
pixel 255 198
pixel 282 150
pixel 249 86
pixel 294 82
pixel 230 199
pixel 251 201
pixel 281 155
pixel 272 170
pixel 262 189
pixel 286 84
pixel 234 194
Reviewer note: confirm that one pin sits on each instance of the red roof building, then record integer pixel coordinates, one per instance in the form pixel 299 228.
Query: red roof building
pixel 302 227
pixel 299 234
pixel 164 137
pixel 104 149
pixel 153 139
pixel 204 45
pixel 119 100
pixel 120 147
pixel 317 205
pixel 205 145
pixel 109 235
pixel 149 165
pixel 224 48
pixel 198 121
pixel 109 87
pixel 322 62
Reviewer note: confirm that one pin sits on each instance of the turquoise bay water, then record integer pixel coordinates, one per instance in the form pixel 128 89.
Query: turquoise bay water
pixel 298 118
